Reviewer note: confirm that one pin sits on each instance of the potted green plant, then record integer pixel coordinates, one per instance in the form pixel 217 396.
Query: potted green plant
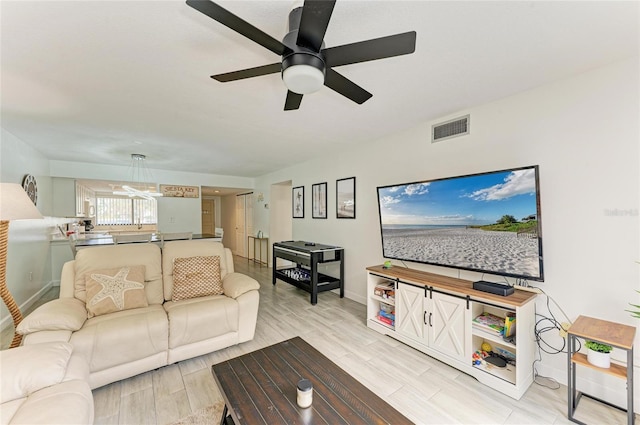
pixel 599 354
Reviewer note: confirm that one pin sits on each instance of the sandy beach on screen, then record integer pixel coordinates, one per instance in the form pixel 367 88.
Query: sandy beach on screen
pixel 466 248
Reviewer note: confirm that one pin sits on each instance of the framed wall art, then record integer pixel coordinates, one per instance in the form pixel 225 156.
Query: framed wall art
pixel 298 202
pixel 346 198
pixel 319 200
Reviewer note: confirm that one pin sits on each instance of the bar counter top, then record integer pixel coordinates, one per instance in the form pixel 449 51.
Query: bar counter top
pixel 105 239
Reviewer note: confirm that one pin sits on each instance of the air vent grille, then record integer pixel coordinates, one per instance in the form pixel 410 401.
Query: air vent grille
pixel 452 128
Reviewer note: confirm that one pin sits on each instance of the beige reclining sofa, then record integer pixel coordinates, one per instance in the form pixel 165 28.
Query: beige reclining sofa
pixel 164 312
pixel 45 384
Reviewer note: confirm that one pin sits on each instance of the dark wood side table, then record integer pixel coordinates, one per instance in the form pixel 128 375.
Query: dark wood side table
pixel 260 388
pixel 615 334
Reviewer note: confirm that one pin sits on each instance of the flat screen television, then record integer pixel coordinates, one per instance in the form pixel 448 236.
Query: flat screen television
pixel 488 222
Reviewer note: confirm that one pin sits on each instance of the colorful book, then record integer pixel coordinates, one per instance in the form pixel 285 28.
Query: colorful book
pixel 386 320
pixel 489 322
pixel 391 316
pixel 510 324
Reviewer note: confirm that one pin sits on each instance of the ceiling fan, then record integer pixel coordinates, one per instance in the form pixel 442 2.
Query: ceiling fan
pixel 306 64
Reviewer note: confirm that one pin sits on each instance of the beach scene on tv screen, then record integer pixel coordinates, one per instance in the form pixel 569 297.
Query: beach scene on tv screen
pixel 485 222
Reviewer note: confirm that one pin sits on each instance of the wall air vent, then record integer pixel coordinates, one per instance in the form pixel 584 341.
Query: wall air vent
pixel 448 129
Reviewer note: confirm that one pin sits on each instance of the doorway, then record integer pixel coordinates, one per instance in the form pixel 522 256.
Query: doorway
pixel 280 215
pixel 208 216
pixel 244 223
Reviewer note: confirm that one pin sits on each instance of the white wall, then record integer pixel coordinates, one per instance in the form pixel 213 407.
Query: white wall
pixel 78 170
pixel 28 259
pixel 179 215
pixel 583 132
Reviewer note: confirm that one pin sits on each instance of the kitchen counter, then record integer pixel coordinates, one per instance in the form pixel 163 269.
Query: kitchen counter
pixel 108 240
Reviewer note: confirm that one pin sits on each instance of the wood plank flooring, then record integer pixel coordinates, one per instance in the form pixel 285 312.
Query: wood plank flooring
pixel 423 389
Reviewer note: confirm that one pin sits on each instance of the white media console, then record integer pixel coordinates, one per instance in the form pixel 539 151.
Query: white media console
pixel 434 314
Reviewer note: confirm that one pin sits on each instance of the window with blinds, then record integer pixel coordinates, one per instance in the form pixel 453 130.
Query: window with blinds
pixel 123 210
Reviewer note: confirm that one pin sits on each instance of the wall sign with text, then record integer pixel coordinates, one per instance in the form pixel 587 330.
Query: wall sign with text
pixel 173 191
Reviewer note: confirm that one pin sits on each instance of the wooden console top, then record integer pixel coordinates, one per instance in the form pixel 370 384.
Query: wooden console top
pixel 451 284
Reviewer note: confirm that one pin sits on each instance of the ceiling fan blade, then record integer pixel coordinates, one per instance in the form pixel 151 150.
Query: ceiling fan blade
pixel 345 87
pixel 293 101
pixel 248 73
pixel 237 24
pixel 313 23
pixel 377 48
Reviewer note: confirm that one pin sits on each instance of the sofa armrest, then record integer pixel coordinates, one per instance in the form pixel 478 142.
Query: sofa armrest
pixel 236 284
pixel 47 336
pixel 30 368
pixel 62 314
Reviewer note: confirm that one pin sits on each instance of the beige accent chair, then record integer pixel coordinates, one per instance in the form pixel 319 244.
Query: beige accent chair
pixel 126 343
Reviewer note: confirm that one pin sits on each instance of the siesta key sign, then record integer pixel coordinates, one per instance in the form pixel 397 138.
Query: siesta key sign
pixel 174 191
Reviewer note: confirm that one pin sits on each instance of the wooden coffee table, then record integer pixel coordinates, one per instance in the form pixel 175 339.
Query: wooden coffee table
pixel 260 388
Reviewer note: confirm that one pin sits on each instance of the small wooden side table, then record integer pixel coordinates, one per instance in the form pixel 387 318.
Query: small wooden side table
pixel 615 334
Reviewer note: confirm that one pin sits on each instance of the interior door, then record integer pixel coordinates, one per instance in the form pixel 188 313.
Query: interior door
pixel 208 216
pixel 241 238
pixel 244 223
pixel 248 214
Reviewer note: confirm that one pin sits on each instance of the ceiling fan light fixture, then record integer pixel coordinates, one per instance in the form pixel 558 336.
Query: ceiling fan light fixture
pixel 303 79
pixel 303 73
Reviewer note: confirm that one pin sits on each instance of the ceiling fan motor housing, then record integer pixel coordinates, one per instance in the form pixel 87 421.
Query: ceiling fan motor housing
pixel 309 77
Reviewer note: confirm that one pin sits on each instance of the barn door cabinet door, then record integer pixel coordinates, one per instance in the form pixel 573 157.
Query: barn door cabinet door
pixel 439 321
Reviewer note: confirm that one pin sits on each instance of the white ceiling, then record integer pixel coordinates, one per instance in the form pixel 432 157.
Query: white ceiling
pixel 95 81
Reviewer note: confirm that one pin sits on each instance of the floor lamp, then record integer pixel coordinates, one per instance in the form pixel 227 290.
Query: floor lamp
pixel 14 205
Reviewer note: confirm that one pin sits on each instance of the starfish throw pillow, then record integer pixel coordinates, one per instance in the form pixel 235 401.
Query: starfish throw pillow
pixel 115 289
pixel 195 277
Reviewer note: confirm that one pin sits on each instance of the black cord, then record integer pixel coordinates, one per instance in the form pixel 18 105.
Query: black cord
pixel 542 326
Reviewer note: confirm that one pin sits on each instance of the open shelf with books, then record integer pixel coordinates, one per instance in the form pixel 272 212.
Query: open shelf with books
pixel 500 344
pixel 381 303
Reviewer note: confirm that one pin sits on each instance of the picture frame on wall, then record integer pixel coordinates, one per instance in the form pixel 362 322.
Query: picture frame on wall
pixel 319 200
pixel 298 201
pixel 346 198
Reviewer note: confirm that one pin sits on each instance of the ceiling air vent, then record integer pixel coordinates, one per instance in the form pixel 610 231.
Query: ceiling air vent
pixel 448 129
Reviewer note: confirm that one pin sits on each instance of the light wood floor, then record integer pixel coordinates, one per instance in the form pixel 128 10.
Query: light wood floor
pixel 423 389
